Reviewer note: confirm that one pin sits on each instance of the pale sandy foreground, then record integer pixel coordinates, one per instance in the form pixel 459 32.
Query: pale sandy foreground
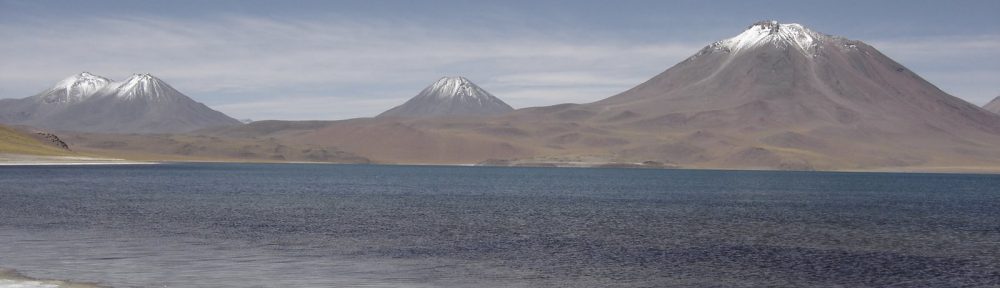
pixel 21 160
pixel 12 279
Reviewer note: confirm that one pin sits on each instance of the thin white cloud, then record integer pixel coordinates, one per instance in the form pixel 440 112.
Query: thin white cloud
pixel 527 97
pixel 309 108
pixel 964 66
pixel 230 61
pixel 941 46
pixel 569 78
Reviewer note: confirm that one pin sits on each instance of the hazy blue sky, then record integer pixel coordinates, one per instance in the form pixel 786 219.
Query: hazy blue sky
pixel 346 59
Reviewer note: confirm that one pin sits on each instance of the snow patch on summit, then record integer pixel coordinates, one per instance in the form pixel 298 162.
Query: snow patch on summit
pixel 142 85
pixel 452 87
pixel 75 88
pixel 80 87
pixel 773 33
pixel 450 96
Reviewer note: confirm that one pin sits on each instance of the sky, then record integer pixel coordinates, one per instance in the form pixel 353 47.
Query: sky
pixel 330 60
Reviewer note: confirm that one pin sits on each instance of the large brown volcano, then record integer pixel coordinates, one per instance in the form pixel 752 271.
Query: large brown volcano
pixel 781 94
pixel 776 96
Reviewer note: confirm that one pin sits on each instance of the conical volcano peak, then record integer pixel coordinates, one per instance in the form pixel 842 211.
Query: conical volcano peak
pixel 453 80
pixel 767 25
pixel 772 33
pixel 145 86
pixel 455 86
pixel 75 88
pixel 774 27
pixel 141 77
pixel 138 80
pixel 450 96
pixel 83 79
pixel 459 79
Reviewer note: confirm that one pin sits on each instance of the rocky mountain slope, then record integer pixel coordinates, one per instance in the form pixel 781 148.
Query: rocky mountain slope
pixel 993 106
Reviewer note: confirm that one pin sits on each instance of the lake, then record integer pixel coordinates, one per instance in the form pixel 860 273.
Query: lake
pixel 314 225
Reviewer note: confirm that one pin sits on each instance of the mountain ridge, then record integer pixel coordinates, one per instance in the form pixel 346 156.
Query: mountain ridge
pixel 450 96
pixel 75 88
pixel 993 105
pixel 774 96
pixel 761 99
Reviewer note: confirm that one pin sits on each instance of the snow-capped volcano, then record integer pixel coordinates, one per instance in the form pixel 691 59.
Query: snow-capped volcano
pixel 75 88
pixel 773 33
pixel 450 87
pixel 86 102
pixel 81 86
pixel 782 94
pixel 450 96
pixel 143 86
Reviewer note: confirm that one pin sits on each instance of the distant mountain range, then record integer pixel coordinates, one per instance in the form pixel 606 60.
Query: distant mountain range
pixel 775 96
pixel 91 103
pixel 450 96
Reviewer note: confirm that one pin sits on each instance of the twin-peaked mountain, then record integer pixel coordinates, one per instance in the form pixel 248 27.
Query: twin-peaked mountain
pixel 450 96
pixel 91 103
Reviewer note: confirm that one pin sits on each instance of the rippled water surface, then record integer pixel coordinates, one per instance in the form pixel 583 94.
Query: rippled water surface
pixel 275 225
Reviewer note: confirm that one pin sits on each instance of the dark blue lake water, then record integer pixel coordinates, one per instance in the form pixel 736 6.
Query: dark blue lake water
pixel 285 225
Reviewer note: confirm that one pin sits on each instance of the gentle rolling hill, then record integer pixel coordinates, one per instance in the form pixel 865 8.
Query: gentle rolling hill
pixel 15 141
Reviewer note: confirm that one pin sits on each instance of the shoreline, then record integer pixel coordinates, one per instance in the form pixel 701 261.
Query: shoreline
pixel 614 165
pixel 14 279
pixel 38 160
pixel 35 160
pixel 74 163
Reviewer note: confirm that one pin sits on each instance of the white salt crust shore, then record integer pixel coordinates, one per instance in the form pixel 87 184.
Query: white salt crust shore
pixel 10 278
pixel 32 160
